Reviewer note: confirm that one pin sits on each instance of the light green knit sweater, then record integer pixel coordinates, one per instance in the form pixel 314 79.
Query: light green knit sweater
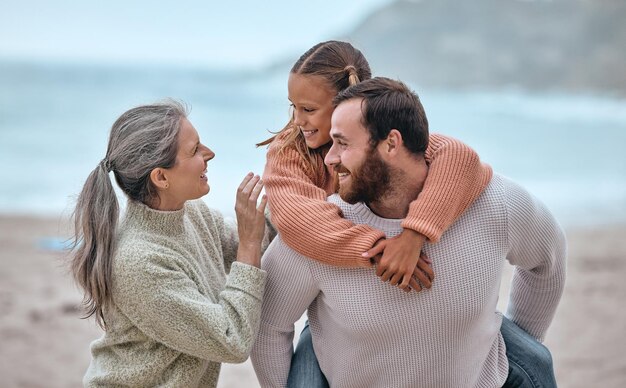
pixel 176 315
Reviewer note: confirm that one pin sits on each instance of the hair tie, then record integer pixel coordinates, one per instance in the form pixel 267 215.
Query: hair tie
pixel 104 163
pixel 353 76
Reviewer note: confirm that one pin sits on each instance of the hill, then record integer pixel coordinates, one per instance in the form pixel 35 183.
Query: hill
pixel 558 45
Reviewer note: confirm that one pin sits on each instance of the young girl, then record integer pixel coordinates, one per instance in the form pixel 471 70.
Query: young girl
pixel 297 182
pixel 157 283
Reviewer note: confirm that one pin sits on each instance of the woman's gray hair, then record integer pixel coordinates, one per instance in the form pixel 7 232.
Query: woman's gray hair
pixel 141 139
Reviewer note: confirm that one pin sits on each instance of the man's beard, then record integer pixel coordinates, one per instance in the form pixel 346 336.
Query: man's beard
pixel 369 182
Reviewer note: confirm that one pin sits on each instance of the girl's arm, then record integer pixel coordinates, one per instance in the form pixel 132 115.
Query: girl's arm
pixel 314 228
pixel 456 177
pixel 306 221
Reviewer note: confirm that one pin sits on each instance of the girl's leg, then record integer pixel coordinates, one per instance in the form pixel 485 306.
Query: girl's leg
pixel 530 363
pixel 305 371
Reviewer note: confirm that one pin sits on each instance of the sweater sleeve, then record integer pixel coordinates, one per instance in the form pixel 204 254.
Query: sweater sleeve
pixel 229 238
pixel 305 220
pixel 537 249
pixel 229 235
pixel 456 177
pixel 289 292
pixel 166 305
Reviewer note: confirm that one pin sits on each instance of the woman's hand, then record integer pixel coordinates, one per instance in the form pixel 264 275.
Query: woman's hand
pixel 250 220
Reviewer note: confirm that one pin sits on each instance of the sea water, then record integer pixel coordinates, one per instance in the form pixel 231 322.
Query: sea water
pixel 568 150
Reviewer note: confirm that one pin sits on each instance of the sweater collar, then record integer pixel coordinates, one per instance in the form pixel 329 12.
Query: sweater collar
pixel 390 226
pixel 166 222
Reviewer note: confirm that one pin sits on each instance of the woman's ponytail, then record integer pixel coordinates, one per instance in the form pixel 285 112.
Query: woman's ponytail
pixel 95 224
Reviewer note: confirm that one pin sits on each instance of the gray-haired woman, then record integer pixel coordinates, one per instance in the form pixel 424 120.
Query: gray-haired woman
pixel 157 283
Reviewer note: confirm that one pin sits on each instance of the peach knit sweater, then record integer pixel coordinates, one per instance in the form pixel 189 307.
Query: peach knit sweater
pixel 315 228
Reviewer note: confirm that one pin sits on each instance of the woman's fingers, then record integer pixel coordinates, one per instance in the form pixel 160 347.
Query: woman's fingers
pixel 247 189
pixel 248 194
pixel 250 214
pixel 256 190
pixel 244 182
pixel 262 205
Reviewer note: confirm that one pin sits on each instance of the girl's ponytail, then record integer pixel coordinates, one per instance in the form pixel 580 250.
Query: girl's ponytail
pixel 353 76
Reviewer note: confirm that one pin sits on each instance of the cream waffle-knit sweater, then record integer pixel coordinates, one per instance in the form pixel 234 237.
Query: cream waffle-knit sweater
pixel 367 333
pixel 176 315
pixel 313 226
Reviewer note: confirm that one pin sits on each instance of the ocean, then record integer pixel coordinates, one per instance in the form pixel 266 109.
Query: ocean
pixel 568 150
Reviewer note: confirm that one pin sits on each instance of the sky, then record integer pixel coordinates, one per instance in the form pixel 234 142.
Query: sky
pixel 224 34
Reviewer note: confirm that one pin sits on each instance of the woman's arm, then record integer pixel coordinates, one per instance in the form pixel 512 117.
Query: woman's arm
pixel 165 304
pixel 306 221
pixel 255 227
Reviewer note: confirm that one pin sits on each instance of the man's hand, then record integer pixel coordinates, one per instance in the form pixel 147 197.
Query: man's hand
pixel 398 261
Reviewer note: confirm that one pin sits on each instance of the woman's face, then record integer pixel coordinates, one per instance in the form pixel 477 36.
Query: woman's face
pixel 187 179
pixel 311 97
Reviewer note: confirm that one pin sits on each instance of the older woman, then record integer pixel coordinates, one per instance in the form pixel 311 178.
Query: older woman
pixel 157 283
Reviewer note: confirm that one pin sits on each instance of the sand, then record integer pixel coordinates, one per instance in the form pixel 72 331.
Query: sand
pixel 46 344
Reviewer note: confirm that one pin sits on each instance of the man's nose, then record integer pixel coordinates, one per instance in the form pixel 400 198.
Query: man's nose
pixel 332 157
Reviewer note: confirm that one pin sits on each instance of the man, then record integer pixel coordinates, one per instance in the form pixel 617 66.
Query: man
pixel 369 334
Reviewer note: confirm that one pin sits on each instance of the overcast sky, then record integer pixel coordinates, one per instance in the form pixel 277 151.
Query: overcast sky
pixel 220 34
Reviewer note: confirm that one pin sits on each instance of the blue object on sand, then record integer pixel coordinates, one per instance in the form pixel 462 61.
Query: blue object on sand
pixel 56 244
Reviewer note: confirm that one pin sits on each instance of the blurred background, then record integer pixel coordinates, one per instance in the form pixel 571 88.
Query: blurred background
pixel 537 88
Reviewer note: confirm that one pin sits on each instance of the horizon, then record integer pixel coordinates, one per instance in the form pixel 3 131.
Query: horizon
pixel 145 35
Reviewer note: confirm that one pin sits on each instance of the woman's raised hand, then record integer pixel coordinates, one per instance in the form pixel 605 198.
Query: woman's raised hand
pixel 250 219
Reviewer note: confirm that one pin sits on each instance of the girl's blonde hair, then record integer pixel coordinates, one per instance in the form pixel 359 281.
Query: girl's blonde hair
pixel 341 65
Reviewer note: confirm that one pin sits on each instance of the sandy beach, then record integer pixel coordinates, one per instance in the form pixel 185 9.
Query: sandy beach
pixel 46 344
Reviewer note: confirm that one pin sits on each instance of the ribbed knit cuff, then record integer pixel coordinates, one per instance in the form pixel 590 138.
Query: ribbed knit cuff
pixel 427 228
pixel 247 278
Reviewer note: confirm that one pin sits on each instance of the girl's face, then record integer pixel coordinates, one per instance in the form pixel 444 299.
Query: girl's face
pixel 311 98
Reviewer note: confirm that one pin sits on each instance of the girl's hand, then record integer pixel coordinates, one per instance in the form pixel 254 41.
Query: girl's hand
pixel 398 261
pixel 250 219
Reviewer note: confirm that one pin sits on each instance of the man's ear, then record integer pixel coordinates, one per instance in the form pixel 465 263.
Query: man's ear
pixel 159 179
pixel 393 142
